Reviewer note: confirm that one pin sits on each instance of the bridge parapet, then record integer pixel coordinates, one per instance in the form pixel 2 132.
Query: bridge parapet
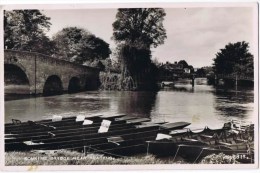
pixel 43 58
pixel 39 67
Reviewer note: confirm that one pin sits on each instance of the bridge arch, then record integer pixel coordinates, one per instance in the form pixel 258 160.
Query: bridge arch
pixel 74 85
pixel 39 68
pixel 16 80
pixel 53 86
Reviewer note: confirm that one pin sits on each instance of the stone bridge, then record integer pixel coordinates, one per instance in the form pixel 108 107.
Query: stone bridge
pixel 46 75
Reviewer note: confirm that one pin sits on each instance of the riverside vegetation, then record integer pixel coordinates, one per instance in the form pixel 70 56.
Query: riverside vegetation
pixel 74 158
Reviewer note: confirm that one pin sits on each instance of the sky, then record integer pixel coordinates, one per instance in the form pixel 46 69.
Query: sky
pixel 193 34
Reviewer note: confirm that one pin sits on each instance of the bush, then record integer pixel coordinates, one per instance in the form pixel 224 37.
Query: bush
pixel 109 81
pixel 219 159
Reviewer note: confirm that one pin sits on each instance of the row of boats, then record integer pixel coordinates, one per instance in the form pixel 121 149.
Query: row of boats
pixel 122 135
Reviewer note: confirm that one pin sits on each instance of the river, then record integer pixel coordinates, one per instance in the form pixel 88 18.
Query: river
pixel 202 105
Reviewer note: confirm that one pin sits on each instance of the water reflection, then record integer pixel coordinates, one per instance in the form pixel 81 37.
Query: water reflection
pixel 201 105
pixel 234 103
pixel 179 88
pixel 137 103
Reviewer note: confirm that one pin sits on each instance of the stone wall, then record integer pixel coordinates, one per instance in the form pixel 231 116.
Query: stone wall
pixel 38 68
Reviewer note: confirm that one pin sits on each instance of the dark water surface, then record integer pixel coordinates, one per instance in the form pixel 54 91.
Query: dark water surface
pixel 201 105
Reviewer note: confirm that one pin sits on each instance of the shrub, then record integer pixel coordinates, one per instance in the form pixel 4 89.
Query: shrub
pixel 219 159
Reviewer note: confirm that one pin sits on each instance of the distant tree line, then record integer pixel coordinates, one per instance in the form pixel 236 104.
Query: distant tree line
pixel 25 30
pixel 135 31
pixel 234 59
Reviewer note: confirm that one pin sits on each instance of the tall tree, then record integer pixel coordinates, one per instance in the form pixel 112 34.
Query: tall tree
pixel 25 30
pixel 235 58
pixel 136 30
pixel 79 45
pixel 183 63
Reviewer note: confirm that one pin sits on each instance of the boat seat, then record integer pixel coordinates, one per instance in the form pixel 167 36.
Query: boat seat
pixel 188 139
pixel 224 143
pixel 116 140
pixel 241 140
pixel 207 136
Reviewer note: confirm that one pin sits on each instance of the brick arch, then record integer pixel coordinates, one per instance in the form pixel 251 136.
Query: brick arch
pixel 39 67
pixel 17 70
pixel 52 86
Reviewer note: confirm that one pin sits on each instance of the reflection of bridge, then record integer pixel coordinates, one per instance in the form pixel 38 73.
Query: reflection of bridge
pixel 46 75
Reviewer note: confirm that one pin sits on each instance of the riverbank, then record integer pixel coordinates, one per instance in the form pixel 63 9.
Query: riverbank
pixel 63 157
pixel 74 158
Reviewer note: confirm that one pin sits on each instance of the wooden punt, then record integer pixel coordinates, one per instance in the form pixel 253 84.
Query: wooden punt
pixel 89 139
pixel 80 124
pixel 118 145
pixel 193 153
pixel 63 121
pixel 72 131
pixel 115 148
pixel 194 146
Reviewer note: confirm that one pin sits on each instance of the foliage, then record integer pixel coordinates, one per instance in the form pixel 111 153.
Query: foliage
pixel 70 158
pixel 140 26
pixel 201 72
pixel 78 45
pixel 138 72
pixel 219 159
pixel 25 30
pixel 109 81
pixel 156 62
pixel 136 30
pixel 183 63
pixel 235 58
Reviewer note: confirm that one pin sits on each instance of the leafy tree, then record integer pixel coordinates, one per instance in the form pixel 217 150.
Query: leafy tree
pixel 25 30
pixel 235 58
pixel 201 72
pixel 136 30
pixel 183 63
pixel 78 45
pixel 140 26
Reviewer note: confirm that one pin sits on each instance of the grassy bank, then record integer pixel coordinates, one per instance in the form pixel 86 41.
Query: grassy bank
pixel 64 157
pixel 75 158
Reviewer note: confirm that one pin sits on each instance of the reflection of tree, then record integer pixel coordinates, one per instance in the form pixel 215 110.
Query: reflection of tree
pixel 230 103
pixel 137 103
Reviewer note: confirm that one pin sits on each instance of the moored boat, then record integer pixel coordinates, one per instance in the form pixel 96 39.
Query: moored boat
pixel 193 146
pixel 91 134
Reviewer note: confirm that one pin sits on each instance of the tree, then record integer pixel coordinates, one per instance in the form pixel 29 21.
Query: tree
pixel 201 72
pixel 25 30
pixel 136 30
pixel 79 45
pixel 140 26
pixel 235 58
pixel 183 63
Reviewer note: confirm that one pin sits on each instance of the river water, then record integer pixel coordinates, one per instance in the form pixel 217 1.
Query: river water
pixel 202 105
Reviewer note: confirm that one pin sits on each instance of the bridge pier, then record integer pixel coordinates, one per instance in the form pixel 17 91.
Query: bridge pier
pixel 193 80
pixel 41 71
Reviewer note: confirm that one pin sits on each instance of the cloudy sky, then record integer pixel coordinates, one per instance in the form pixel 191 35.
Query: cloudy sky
pixel 193 34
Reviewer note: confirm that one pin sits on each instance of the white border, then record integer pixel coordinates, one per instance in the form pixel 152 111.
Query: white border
pixel 108 4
